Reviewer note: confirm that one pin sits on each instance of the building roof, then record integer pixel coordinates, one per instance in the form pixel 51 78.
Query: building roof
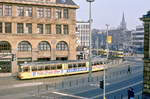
pixel 147 16
pixel 57 3
pixel 68 2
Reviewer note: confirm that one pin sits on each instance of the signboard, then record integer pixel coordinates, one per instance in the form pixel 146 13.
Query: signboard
pixel 109 39
pixel 40 73
pixel 76 69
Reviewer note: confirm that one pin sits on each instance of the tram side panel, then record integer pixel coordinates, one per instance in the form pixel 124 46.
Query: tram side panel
pixel 75 68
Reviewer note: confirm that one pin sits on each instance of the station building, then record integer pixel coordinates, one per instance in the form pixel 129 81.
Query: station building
pixel 36 30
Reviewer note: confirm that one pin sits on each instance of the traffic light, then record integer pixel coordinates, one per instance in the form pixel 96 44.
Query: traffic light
pixel 101 84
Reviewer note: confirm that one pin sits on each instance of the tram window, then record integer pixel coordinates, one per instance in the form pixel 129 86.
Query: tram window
pixel 74 65
pixel 25 69
pixel 40 68
pixel 70 66
pixel 59 67
pixel 95 63
pixel 100 63
pixel 80 65
pixel 47 67
pixel 34 68
pixel 53 67
pixel 83 65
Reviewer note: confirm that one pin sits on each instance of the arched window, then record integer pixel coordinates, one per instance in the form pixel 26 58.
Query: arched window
pixel 24 46
pixel 44 46
pixel 5 47
pixel 62 46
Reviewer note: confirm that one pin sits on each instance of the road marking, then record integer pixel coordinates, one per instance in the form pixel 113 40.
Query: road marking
pixel 27 84
pixel 97 85
pixel 69 95
pixel 118 89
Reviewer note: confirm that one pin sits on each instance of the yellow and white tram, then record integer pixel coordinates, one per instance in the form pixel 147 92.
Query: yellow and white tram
pixel 49 69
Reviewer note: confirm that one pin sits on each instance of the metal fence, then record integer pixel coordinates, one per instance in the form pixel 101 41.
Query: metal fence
pixel 68 84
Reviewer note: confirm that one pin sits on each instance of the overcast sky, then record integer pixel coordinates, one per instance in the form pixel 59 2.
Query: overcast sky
pixel 111 11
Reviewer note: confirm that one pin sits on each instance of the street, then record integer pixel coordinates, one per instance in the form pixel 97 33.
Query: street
pixel 118 80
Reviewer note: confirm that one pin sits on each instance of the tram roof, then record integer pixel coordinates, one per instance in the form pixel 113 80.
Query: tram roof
pixel 60 62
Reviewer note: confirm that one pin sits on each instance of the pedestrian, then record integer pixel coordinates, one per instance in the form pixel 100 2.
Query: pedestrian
pixel 129 69
pixel 130 93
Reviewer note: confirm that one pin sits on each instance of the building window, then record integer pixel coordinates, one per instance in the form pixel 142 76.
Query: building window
pixel 40 12
pixel 5 47
pixel 8 27
pixel 20 11
pixel 62 46
pixel 66 13
pixel 58 13
pixel 1 27
pixel 44 46
pixel 8 10
pixel 58 29
pixel 47 12
pixel 29 11
pixel 1 10
pixel 20 28
pixel 24 46
pixel 40 28
pixel 29 28
pixel 48 29
pixel 66 29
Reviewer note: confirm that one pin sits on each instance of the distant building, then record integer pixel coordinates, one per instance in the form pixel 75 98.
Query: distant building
pixel 36 30
pixel 121 37
pixel 123 24
pixel 138 39
pixel 82 33
pixel 146 89
pixel 83 36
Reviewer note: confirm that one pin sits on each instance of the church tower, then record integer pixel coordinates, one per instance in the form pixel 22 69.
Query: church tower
pixel 123 25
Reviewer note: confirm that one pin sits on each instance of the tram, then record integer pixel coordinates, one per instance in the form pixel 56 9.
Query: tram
pixel 50 69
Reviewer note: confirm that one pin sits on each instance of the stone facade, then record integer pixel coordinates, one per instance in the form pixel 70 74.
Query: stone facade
pixel 146 89
pixel 36 30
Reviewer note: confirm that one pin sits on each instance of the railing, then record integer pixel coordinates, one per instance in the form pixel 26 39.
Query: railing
pixel 77 83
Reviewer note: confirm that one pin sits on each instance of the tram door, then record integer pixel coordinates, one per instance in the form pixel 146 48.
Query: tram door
pixel 5 67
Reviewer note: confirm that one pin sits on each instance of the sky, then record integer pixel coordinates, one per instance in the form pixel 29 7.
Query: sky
pixel 111 12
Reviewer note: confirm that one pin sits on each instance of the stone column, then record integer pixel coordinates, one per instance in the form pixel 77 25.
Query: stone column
pixel 14 64
pixel 53 49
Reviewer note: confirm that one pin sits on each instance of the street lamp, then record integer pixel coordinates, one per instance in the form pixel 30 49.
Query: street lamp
pixel 104 77
pixel 90 40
